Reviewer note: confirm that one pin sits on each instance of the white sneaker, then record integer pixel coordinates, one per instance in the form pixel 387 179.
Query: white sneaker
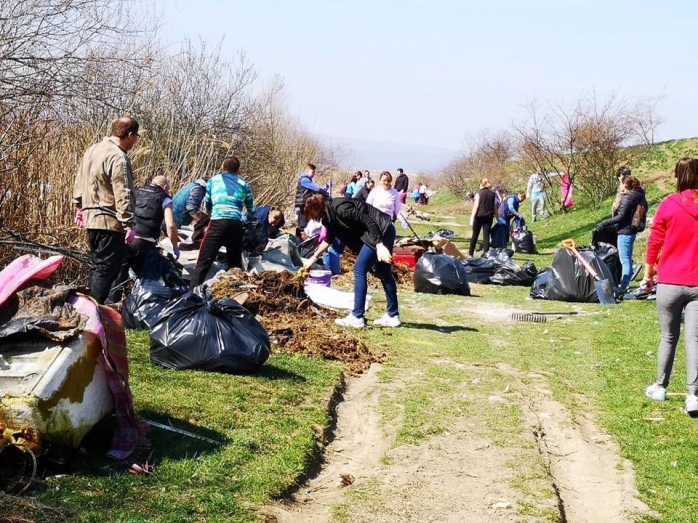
pixel 351 321
pixel 692 406
pixel 388 321
pixel 656 392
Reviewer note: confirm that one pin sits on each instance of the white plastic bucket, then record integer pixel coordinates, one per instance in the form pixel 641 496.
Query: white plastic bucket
pixel 320 277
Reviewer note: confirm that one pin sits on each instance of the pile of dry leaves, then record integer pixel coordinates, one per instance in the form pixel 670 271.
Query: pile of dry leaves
pixel 293 322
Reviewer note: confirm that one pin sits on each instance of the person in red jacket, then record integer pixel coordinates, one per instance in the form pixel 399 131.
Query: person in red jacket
pixel 674 235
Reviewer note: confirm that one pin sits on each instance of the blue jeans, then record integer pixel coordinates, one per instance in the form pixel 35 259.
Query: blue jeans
pixel 365 261
pixel 625 252
pixel 331 257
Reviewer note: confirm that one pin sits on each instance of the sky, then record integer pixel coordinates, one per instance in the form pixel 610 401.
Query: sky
pixel 404 83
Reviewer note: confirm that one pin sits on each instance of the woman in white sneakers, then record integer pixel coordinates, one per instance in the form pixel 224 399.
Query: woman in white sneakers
pixel 674 234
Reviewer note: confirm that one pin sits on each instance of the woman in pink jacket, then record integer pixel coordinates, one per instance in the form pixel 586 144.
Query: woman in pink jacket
pixel 674 235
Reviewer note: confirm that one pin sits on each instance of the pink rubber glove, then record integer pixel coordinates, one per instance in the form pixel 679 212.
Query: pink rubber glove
pixel 130 236
pixel 79 220
pixel 323 234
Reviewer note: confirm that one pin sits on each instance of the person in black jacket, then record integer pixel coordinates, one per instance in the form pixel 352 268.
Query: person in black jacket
pixel 633 196
pixel 153 207
pixel 402 185
pixel 370 234
pixel 481 218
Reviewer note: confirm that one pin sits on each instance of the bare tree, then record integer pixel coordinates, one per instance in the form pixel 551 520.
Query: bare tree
pixel 276 149
pixel 588 142
pixel 485 156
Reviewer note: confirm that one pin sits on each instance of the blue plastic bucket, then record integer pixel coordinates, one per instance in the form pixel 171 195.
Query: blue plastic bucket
pixel 320 277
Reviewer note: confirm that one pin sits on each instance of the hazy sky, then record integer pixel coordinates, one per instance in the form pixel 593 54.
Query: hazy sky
pixel 408 80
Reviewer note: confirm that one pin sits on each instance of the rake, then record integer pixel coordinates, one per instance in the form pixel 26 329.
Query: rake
pixel 538 317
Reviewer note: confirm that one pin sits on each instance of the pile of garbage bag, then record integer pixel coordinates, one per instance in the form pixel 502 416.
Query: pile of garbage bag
pixel 567 280
pixel 497 267
pixel 194 331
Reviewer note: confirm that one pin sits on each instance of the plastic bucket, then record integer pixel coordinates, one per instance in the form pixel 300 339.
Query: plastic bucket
pixel 320 277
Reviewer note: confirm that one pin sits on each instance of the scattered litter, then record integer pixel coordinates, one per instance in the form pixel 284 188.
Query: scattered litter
pixel 294 324
pixel 544 415
pixel 476 381
pixel 501 505
pixel 346 480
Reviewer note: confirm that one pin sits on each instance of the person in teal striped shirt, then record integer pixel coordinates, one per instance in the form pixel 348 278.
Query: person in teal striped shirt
pixel 226 196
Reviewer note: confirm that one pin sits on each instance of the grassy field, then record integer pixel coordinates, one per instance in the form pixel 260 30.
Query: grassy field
pixel 270 425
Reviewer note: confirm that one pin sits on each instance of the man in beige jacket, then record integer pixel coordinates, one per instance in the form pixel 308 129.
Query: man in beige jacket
pixel 104 195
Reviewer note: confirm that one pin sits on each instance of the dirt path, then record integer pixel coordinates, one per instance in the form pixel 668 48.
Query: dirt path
pixel 353 456
pixel 510 453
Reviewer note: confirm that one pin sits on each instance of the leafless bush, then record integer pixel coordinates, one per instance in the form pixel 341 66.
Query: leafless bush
pixel 588 142
pixel 486 156
pixel 68 67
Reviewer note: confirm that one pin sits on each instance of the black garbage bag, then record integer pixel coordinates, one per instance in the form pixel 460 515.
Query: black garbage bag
pixel 201 333
pixel 156 287
pixel 607 235
pixel 480 270
pixel 511 274
pixel 499 237
pixel 609 254
pixel 503 255
pixel 523 241
pixel 440 274
pixel 307 248
pixel 567 280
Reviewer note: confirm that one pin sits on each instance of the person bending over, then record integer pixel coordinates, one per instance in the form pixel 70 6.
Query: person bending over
pixel 369 233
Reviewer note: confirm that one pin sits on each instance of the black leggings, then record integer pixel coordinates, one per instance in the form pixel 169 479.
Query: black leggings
pixel 485 224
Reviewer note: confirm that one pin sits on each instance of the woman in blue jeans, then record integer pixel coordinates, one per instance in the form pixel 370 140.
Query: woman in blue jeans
pixel 633 195
pixel 370 234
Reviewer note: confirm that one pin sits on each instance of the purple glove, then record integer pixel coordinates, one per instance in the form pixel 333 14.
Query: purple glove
pixel 176 253
pixel 323 234
pixel 130 236
pixel 79 220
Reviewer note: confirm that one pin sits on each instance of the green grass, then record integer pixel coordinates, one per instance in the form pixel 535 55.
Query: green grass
pixel 269 424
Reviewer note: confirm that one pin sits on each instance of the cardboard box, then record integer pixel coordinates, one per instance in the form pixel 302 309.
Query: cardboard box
pixel 447 247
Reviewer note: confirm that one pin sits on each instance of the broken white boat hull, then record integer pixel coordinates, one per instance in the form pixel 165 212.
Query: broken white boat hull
pixel 59 390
